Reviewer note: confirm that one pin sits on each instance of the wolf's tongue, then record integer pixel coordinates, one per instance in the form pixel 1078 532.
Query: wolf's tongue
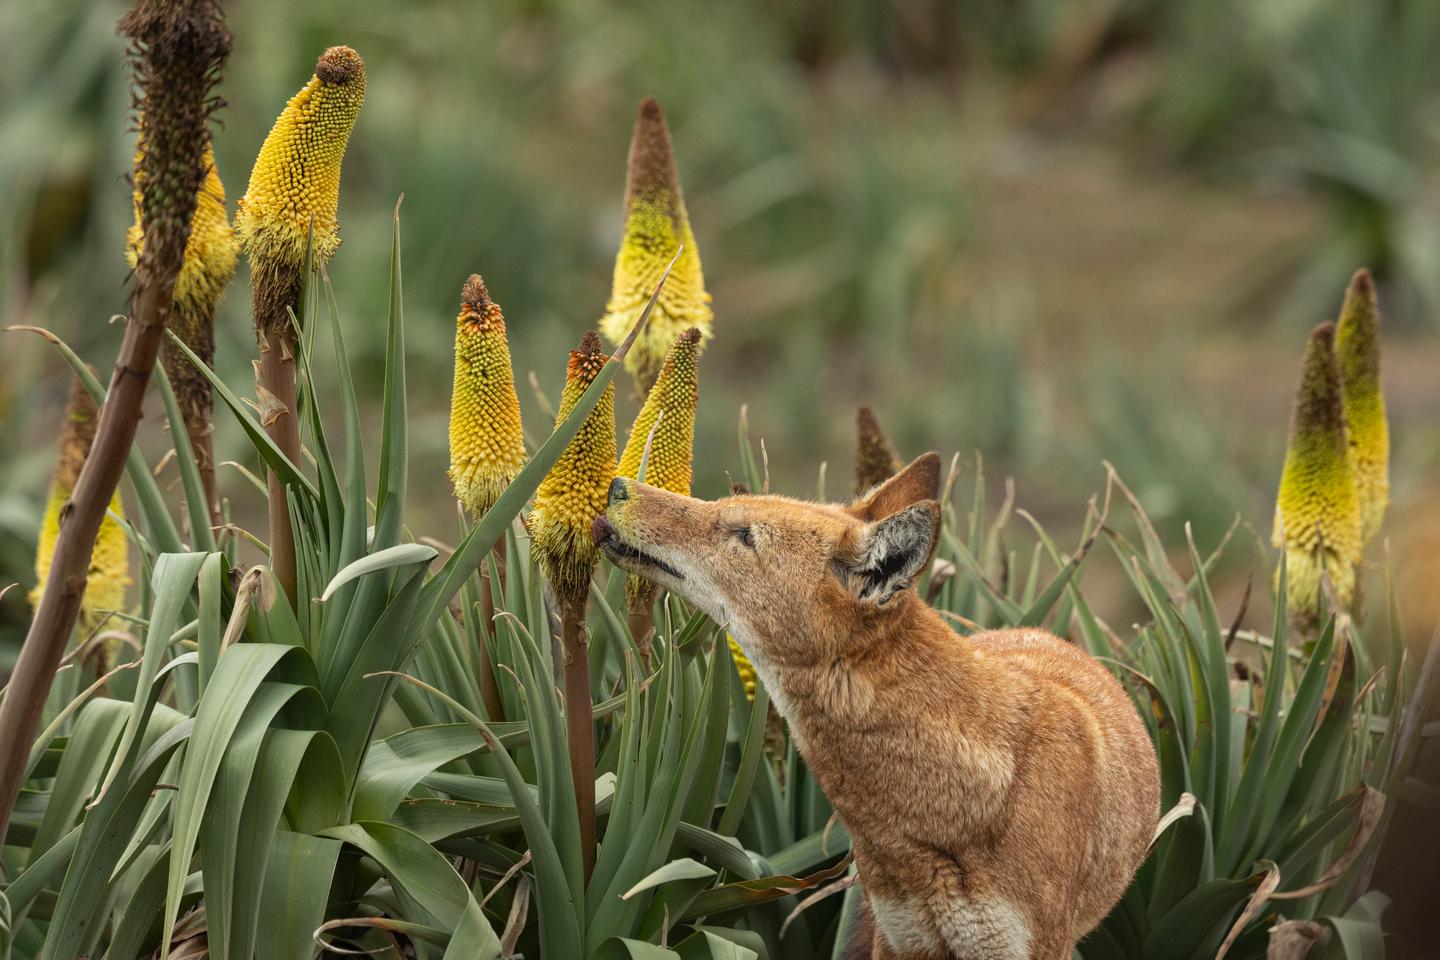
pixel 600 529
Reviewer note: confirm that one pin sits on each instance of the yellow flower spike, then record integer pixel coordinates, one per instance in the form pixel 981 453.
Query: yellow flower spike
pixel 487 446
pixel 1357 345
pixel 1317 512
pixel 109 564
pixel 675 394
pixel 743 667
pixel 573 493
pixel 211 253
pixel 875 461
pixel 656 223
pixel 296 178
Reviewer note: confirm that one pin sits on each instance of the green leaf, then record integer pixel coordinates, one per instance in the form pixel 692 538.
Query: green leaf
pixel 621 948
pixel 1035 615
pixel 103 837
pixel 427 877
pixel 710 945
pixel 240 673
pixel 274 458
pixel 675 870
pixel 170 589
pixel 295 896
pixel 1198 921
pixel 560 930
pixel 400 555
pixel 196 507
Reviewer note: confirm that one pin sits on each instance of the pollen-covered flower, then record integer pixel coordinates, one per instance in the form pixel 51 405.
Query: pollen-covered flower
pixel 671 402
pixel 210 252
pixel 669 411
pixel 573 493
pixel 875 461
pixel 1357 345
pixel 743 667
pixel 487 446
pixel 109 564
pixel 656 224
pixel 297 177
pixel 1317 513
pixel 209 264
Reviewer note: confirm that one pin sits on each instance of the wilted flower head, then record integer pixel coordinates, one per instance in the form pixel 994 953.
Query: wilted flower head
pixel 656 224
pixel 297 174
pixel 1317 515
pixel 674 395
pixel 487 446
pixel 177 50
pixel 109 564
pixel 875 461
pixel 573 493
pixel 1357 345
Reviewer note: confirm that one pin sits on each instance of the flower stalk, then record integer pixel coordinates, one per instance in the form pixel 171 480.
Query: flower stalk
pixel 177 49
pixel 294 189
pixel 656 226
pixel 567 502
pixel 487 443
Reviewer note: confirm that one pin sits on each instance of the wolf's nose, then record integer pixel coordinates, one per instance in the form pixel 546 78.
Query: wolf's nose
pixel 618 491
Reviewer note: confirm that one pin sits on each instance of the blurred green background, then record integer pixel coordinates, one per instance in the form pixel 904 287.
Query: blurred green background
pixel 1051 232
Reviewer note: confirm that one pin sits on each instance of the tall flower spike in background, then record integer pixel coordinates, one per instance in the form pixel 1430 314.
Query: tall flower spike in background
pixel 110 563
pixel 1357 345
pixel 567 502
pixel 671 403
pixel 1317 513
pixel 487 446
pixel 295 183
pixel 209 264
pixel 656 223
pixel 875 460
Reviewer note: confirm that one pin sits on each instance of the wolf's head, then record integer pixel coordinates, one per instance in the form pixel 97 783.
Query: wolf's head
pixel 792 580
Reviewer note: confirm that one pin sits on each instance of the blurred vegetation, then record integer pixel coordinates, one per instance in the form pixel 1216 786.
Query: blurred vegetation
pixel 1054 232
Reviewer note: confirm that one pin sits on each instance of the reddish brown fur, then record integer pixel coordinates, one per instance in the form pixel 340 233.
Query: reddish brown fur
pixel 1000 788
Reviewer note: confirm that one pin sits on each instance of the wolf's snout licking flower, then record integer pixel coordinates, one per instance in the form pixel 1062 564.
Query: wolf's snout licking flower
pixel 999 788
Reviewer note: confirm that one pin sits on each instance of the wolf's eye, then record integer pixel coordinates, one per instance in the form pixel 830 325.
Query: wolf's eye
pixel 745 536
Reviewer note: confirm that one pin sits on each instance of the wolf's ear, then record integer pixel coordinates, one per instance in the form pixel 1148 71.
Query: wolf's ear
pixel 886 557
pixel 918 481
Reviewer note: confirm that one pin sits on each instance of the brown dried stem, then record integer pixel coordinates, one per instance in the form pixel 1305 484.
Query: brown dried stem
pixel 579 726
pixel 177 50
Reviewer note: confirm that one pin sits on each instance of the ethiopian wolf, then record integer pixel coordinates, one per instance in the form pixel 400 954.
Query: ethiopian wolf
pixel 1000 788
